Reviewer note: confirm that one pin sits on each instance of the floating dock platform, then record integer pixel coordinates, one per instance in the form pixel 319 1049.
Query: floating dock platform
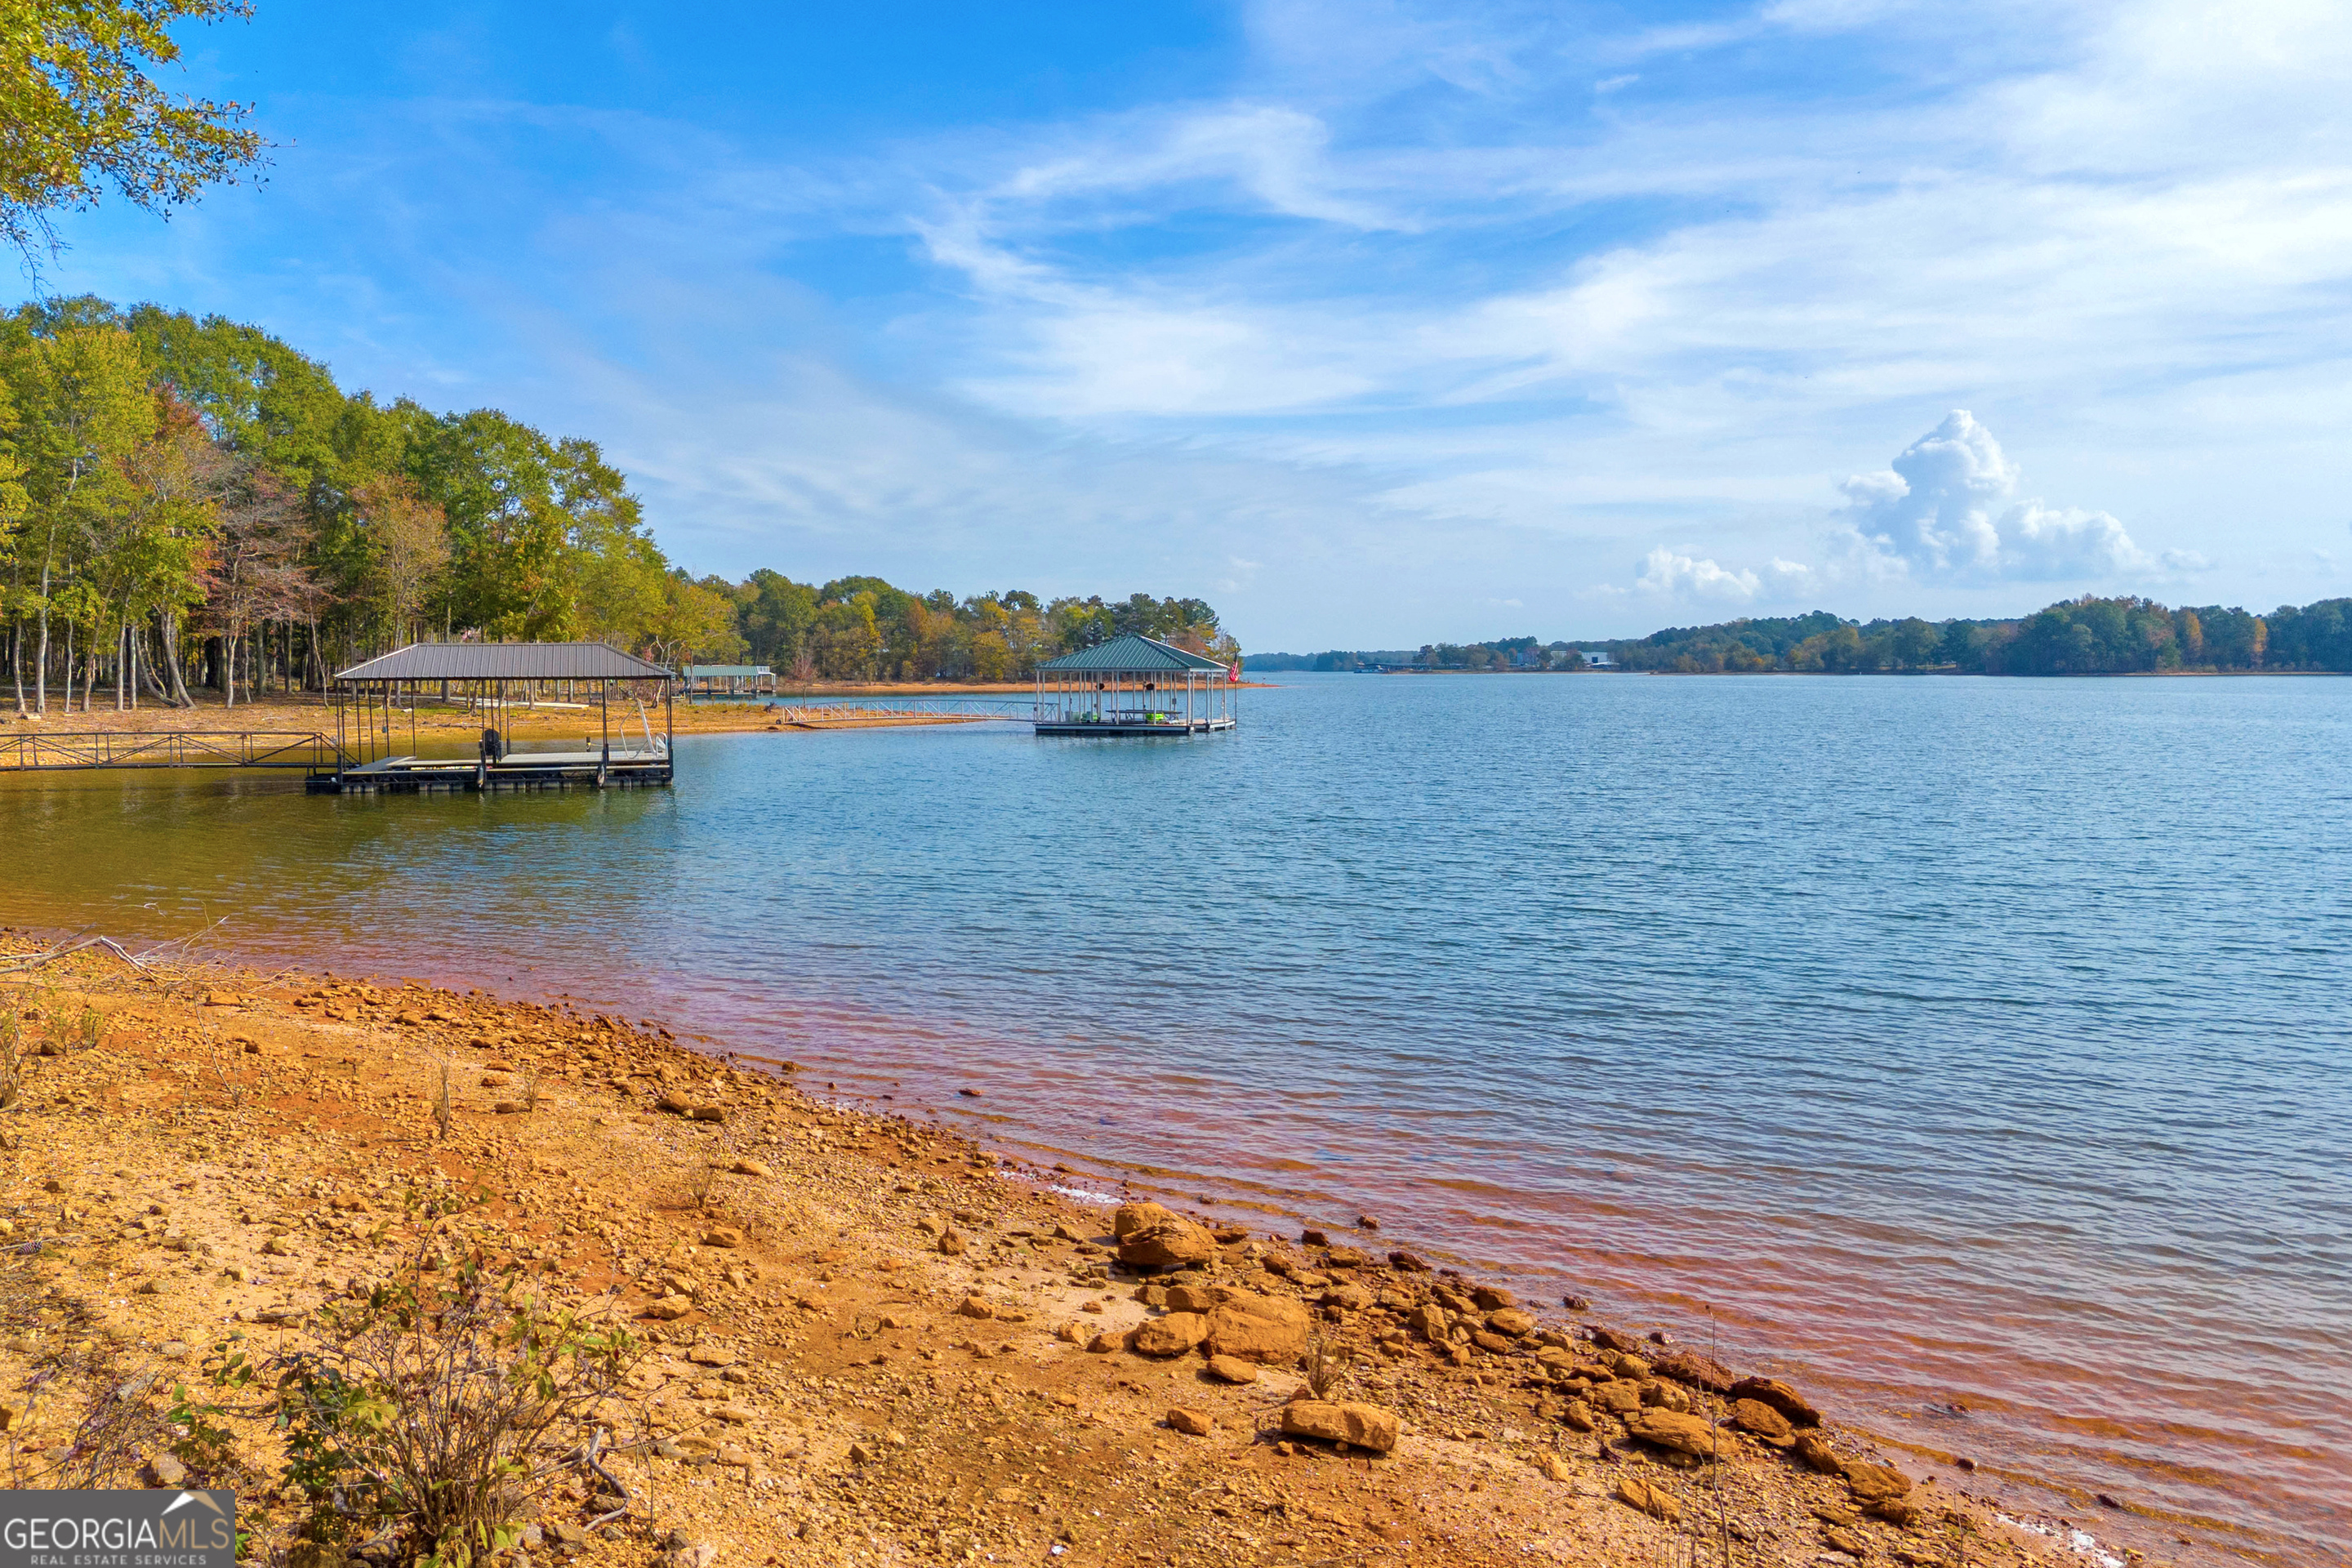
pixel 1115 726
pixel 633 769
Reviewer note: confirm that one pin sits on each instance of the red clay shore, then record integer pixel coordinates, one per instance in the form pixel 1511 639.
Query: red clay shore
pixel 868 1339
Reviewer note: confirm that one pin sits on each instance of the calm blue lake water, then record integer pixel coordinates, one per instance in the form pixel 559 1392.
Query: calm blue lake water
pixel 1958 1043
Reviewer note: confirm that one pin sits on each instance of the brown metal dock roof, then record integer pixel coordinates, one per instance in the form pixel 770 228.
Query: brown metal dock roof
pixel 504 661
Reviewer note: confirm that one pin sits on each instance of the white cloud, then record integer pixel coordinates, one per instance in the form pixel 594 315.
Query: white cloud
pixel 1671 575
pixel 1667 573
pixel 1945 512
pixel 1278 155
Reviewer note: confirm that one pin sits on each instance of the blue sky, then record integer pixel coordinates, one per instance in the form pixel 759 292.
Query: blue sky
pixel 1372 323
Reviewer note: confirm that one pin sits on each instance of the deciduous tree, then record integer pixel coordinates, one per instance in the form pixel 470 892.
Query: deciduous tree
pixel 84 111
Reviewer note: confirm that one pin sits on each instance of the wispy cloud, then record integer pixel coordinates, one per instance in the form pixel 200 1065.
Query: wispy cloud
pixel 1425 307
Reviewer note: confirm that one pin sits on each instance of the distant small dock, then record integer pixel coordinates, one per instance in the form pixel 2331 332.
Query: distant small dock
pixel 1134 687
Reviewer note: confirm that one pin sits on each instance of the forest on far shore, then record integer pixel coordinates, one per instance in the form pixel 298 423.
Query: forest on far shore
pixel 192 503
pixel 2088 636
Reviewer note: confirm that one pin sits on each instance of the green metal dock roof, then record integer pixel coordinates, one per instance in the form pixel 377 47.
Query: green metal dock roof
pixel 1133 656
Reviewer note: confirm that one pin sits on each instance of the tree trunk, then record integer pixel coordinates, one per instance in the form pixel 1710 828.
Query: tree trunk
pixel 41 659
pixel 168 633
pixel 147 672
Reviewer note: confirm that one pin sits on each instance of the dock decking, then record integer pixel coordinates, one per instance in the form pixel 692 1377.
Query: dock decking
pixel 1115 726
pixel 629 769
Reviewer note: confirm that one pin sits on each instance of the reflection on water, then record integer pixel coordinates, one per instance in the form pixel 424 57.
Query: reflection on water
pixel 1978 1044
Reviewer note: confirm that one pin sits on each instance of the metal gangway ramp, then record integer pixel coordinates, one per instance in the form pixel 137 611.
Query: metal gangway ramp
pixel 34 751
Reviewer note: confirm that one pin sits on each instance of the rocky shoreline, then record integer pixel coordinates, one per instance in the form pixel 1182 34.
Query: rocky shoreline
pixel 867 1339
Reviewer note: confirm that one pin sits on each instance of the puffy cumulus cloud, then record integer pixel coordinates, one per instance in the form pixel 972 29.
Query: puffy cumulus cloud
pixel 1670 573
pixel 1946 511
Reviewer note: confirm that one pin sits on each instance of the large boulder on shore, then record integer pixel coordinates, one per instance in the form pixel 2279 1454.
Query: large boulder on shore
pixel 1643 1498
pixel 1695 1370
pixel 1152 1236
pixel 1874 1483
pixel 1819 1457
pixel 1363 1426
pixel 1772 1391
pixel 1268 1329
pixel 1673 1430
pixel 1768 1424
pixel 1172 1335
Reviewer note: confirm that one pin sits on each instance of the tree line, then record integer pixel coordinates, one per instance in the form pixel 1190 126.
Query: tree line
pixel 189 504
pixel 2089 635
pixel 861 628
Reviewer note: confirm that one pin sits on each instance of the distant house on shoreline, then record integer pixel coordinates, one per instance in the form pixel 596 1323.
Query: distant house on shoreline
pixel 1594 658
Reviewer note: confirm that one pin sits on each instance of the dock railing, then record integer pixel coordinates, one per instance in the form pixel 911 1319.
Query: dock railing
pixel 58 750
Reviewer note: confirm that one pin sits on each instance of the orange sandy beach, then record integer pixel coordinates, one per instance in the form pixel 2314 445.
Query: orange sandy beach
pixel 856 1338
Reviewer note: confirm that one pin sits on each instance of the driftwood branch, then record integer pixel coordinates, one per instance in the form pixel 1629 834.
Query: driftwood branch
pixel 84 940
pixel 78 943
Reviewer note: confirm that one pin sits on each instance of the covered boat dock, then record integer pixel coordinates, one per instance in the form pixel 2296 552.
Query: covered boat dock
pixel 377 703
pixel 1133 686
pixel 729 680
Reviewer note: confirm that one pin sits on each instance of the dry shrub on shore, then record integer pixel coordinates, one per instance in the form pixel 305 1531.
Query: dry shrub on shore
pixel 437 1410
pixel 1327 1370
pixel 122 1424
pixel 122 1419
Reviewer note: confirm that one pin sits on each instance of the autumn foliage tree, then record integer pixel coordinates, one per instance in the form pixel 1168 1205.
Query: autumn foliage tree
pixel 83 111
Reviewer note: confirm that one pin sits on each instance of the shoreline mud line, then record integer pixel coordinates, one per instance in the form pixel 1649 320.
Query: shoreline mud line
pixel 869 1337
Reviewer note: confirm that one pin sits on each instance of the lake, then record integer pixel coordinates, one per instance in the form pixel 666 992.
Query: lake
pixel 1971 1051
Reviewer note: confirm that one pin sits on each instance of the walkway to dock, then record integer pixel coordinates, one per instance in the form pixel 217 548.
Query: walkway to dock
pixel 34 751
pixel 850 715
